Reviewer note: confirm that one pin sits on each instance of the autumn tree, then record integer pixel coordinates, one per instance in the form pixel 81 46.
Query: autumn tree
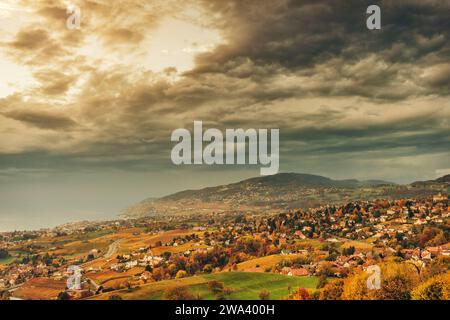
pixel 208 268
pixel 63 296
pixel 158 244
pixel 181 274
pixel 4 295
pixel 4 254
pixel 264 295
pixel 397 281
pixel 332 290
pixel 437 266
pixel 435 288
pixel 396 287
pixel 322 281
pixel 300 294
pixel 178 293
pixel 432 237
pixel 348 251
pixel 216 286
pixel 158 274
pixel 148 268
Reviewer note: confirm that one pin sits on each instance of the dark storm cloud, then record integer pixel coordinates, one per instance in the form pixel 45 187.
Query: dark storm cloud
pixel 363 141
pixel 89 126
pixel 309 68
pixel 301 35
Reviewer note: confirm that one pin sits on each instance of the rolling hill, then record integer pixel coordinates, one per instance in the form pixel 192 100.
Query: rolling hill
pixel 283 191
pixel 445 180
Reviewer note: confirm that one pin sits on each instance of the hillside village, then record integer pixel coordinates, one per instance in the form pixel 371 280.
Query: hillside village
pixel 331 244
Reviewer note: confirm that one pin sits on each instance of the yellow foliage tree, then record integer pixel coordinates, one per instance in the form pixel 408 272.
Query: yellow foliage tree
pixel 397 282
pixel 332 290
pixel 435 288
pixel 181 274
pixel 300 294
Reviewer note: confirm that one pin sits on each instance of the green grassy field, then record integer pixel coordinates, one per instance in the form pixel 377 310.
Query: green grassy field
pixel 7 260
pixel 13 255
pixel 244 286
pixel 267 261
pixel 247 286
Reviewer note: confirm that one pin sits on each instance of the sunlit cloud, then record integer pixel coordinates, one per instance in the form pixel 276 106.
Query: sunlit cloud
pixel 105 98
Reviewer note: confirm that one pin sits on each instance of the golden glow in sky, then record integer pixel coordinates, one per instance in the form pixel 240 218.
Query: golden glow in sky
pixel 165 40
pixel 106 97
pixel 175 43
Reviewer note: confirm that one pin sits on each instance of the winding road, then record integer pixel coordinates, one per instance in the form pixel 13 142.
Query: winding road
pixel 112 249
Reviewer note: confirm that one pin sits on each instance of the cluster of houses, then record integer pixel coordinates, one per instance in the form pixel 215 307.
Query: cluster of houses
pixel 133 260
pixel 426 254
pixel 378 222
pixel 18 273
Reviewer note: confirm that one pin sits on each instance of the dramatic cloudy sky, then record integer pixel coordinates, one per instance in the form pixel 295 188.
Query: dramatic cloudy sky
pixel 86 115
